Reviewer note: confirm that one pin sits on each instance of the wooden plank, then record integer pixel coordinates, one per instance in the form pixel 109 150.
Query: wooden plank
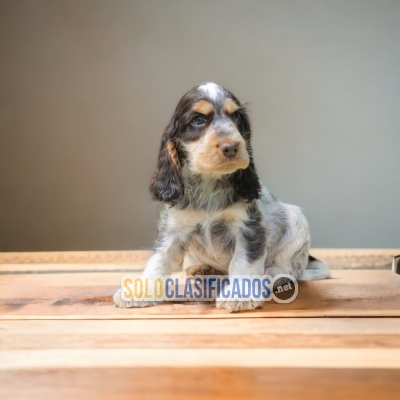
pixel 205 357
pixel 39 378
pixel 72 296
pixel 231 383
pixel 247 340
pixel 75 257
pixel 12 269
pixel 224 333
pixel 356 258
pixel 201 341
pixel 279 326
pixel 334 258
pixel 190 334
pixel 221 355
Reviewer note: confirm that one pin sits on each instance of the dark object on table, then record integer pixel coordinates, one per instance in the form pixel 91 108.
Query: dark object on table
pixel 396 264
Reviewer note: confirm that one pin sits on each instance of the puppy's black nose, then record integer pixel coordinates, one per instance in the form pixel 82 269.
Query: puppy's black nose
pixel 229 149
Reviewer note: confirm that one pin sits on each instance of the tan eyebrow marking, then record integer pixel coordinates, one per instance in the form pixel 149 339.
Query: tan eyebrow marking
pixel 230 106
pixel 203 107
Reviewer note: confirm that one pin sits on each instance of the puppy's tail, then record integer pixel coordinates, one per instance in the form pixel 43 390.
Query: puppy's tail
pixel 316 270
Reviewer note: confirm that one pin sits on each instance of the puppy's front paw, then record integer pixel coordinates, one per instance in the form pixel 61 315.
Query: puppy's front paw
pixel 133 303
pixel 237 305
pixel 202 270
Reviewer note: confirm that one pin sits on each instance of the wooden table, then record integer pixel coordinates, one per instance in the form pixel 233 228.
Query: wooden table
pixel 62 338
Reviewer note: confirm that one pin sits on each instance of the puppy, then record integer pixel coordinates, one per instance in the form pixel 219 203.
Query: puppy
pixel 218 217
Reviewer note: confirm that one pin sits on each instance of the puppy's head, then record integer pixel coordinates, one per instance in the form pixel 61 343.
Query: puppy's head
pixel 210 133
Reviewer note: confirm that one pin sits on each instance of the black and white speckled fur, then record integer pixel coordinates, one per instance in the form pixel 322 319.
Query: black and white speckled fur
pixel 221 219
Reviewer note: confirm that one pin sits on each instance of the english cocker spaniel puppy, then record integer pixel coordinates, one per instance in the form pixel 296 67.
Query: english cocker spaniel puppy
pixel 218 216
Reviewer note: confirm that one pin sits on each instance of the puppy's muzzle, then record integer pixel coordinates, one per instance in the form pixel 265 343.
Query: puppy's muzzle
pixel 229 149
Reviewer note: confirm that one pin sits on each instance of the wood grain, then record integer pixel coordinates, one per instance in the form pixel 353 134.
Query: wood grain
pixel 129 327
pixel 334 258
pixel 62 338
pixel 205 357
pixel 349 293
pixel 340 373
pixel 75 257
pixel 172 383
pixel 196 334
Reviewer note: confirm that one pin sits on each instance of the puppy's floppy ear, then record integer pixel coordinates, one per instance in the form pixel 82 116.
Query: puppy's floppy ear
pixel 167 185
pixel 245 182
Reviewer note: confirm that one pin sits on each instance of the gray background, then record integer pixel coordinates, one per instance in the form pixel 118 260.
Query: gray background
pixel 87 87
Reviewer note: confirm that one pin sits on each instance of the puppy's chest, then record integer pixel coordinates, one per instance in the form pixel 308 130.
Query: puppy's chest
pixel 213 240
pixel 210 225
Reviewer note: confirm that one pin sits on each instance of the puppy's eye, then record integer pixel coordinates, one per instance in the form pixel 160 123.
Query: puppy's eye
pixel 236 117
pixel 198 120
